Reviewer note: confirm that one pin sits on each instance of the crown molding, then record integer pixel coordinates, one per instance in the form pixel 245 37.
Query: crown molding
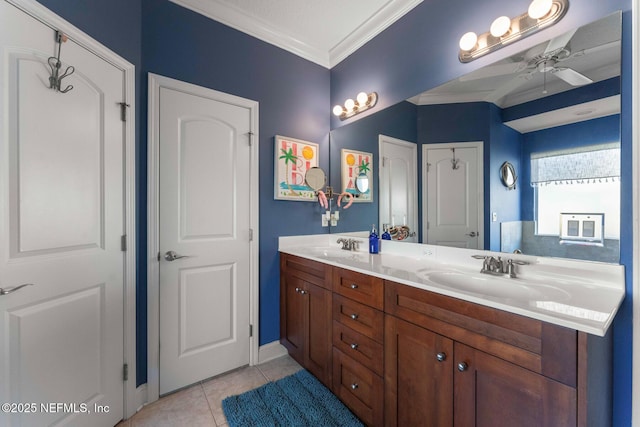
pixel 385 17
pixel 263 30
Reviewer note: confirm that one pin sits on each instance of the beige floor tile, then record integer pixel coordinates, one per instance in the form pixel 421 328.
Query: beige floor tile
pixel 187 407
pixel 279 368
pixel 235 382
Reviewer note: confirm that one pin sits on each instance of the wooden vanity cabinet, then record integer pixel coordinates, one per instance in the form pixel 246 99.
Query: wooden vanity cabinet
pixel 455 363
pixel 397 355
pixel 305 314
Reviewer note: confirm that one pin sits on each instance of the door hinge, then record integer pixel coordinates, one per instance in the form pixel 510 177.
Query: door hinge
pixel 428 167
pixel 427 225
pixel 123 243
pixel 159 257
pixel 251 234
pixel 125 372
pixel 123 111
pixel 250 138
pixel 250 330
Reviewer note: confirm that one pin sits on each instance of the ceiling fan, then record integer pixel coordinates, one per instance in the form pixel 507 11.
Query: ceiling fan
pixel 546 59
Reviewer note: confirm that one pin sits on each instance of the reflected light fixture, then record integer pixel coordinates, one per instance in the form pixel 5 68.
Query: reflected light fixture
pixel 362 102
pixel 505 30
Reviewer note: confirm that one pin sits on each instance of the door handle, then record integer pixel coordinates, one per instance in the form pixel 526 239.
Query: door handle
pixel 13 289
pixel 473 234
pixel 172 256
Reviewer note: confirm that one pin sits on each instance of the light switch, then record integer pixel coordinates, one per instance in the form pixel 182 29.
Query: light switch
pixel 494 216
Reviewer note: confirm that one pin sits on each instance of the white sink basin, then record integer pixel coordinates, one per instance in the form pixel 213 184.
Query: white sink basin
pixel 497 286
pixel 335 254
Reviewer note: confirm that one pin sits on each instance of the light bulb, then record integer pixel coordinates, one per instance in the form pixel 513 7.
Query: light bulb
pixel 468 41
pixel 337 110
pixel 500 26
pixel 362 98
pixel 540 8
pixel 349 104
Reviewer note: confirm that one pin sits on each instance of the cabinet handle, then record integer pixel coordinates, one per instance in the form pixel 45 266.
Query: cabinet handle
pixel 354 386
pixel 303 292
pixel 442 356
pixel 354 286
pixel 298 290
pixel 354 316
pixel 462 366
pixel 354 346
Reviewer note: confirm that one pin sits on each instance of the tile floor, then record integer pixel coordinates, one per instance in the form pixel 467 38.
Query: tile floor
pixel 201 404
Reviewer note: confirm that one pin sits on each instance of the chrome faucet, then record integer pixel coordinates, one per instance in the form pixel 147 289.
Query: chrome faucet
pixel 348 244
pixel 497 266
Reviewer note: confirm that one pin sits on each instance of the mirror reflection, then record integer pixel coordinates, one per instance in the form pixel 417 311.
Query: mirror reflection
pixel 551 111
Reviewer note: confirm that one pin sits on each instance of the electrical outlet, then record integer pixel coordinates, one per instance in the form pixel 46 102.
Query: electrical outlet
pixel 494 216
pixel 325 222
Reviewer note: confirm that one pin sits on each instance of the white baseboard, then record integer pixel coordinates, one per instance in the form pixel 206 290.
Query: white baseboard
pixel 271 351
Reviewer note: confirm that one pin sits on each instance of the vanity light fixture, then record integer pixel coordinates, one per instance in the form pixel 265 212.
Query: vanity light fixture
pixel 363 102
pixel 504 30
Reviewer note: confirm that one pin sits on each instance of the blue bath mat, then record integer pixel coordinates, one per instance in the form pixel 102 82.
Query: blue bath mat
pixel 297 400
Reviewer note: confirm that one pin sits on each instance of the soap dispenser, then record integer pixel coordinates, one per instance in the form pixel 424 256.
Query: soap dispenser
pixel 385 234
pixel 373 240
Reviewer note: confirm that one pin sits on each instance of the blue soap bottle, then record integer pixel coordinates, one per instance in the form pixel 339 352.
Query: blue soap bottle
pixel 374 243
pixel 386 235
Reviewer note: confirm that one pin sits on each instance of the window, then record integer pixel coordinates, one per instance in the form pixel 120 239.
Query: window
pixel 585 180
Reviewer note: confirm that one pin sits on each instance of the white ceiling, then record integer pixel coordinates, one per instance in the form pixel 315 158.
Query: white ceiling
pixel 321 31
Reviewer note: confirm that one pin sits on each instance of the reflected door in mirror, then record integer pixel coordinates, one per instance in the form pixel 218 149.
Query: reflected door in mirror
pixel 453 198
pixel 398 186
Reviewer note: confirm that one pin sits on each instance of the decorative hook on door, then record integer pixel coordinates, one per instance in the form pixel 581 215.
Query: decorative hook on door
pixel 454 161
pixel 55 80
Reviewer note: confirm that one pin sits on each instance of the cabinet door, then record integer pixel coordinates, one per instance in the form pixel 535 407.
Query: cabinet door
pixel 491 392
pixel 318 332
pixel 292 316
pixel 418 376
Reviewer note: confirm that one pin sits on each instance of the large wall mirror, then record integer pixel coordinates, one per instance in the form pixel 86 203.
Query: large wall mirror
pixel 551 111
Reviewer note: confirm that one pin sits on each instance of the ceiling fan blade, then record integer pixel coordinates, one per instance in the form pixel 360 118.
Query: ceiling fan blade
pixel 559 42
pixel 505 89
pixel 491 71
pixel 571 76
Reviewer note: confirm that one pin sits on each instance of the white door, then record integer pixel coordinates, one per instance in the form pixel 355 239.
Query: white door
pixel 205 174
pixel 61 222
pixel 453 199
pixel 398 185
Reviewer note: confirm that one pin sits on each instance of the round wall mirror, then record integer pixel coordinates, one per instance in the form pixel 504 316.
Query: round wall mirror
pixel 508 175
pixel 362 183
pixel 315 178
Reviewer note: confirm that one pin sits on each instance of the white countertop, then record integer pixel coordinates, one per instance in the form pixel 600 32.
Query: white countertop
pixel 580 295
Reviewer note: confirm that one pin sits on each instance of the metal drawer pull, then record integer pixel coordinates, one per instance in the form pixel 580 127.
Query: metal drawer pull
pixel 442 356
pixel 354 286
pixel 354 386
pixel 15 288
pixel 462 366
pixel 354 346
pixel 354 316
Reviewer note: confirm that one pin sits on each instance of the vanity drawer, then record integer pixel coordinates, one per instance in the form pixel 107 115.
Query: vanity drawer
pixel 359 317
pixel 310 271
pixel 358 388
pixel 361 348
pixel 363 288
